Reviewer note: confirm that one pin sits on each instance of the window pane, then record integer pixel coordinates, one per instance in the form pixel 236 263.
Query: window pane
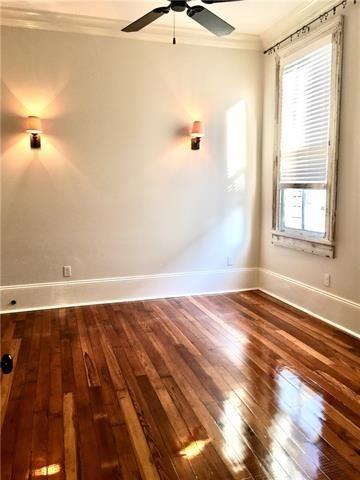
pixel 303 209
pixel 292 202
pixel 315 210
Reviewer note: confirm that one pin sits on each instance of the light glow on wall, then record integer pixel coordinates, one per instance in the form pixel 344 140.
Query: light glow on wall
pixel 236 230
pixel 236 145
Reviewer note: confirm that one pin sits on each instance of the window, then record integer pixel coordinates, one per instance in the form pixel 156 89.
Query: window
pixel 307 141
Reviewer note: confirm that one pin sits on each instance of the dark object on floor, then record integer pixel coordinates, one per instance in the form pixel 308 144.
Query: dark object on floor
pixel 6 363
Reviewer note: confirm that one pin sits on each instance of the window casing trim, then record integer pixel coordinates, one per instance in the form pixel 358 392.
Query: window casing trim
pixel 317 247
pixel 303 240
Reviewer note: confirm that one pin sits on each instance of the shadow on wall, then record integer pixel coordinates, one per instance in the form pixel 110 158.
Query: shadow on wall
pixel 182 132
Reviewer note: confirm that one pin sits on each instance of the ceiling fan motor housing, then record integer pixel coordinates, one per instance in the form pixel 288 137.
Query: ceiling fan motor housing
pixel 178 5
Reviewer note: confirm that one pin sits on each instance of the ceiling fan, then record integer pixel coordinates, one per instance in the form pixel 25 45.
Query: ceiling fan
pixel 200 14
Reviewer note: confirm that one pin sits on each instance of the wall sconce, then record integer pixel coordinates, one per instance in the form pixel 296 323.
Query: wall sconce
pixel 197 133
pixel 34 128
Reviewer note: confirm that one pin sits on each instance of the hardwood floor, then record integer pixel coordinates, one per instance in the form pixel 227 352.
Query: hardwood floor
pixel 207 387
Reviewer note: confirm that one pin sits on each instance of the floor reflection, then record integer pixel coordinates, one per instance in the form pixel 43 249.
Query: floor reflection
pixel 233 430
pixel 46 470
pixel 303 405
pixel 296 427
pixel 194 448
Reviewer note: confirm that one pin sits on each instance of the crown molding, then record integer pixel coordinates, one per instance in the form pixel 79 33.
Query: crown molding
pixel 300 17
pixel 61 22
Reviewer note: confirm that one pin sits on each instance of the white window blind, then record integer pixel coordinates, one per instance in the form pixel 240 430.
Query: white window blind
pixel 305 118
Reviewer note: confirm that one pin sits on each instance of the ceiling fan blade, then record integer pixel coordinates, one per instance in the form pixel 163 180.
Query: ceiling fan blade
pixel 210 21
pixel 146 19
pixel 219 1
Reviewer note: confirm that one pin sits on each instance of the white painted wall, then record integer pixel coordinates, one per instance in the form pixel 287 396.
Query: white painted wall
pixel 306 268
pixel 117 193
pixel 115 190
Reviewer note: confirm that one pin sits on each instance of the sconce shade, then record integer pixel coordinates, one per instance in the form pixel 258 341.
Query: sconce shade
pixel 197 130
pixel 33 125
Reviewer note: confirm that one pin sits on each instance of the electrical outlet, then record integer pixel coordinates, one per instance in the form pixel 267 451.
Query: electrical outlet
pixel 327 279
pixel 229 261
pixel 67 271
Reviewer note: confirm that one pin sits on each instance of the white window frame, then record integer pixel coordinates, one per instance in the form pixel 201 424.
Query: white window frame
pixel 323 245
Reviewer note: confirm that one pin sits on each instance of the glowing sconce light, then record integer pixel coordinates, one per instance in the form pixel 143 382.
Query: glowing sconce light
pixel 197 133
pixel 34 128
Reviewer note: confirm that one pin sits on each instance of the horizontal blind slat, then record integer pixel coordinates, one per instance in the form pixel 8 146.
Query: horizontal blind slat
pixel 305 118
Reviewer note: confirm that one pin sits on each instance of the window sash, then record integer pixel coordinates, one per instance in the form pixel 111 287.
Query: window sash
pixel 303 232
pixel 304 186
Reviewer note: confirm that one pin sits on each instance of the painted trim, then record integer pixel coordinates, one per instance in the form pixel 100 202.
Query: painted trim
pixel 305 241
pixel 326 306
pixel 124 300
pixel 330 295
pixel 284 239
pixel 335 310
pixel 40 296
pixel 61 22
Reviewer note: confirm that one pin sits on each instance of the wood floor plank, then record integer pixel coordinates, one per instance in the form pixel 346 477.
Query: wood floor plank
pixel 90 464
pixel 161 453
pixel 16 404
pixel 22 452
pixel 127 458
pixel 86 347
pixel 308 368
pixel 138 439
pixel 331 434
pixel 209 387
pixel 7 380
pixel 230 455
pixel 197 431
pixel 155 379
pixel 70 441
pixel 254 417
pixel 39 443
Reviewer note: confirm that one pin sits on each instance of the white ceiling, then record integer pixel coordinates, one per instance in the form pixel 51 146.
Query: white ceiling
pixel 247 16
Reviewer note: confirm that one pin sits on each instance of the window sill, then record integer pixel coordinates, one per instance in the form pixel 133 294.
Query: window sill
pixel 316 247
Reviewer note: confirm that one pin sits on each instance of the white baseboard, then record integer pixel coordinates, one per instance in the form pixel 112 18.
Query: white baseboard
pixel 337 311
pixel 42 296
pixel 332 309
